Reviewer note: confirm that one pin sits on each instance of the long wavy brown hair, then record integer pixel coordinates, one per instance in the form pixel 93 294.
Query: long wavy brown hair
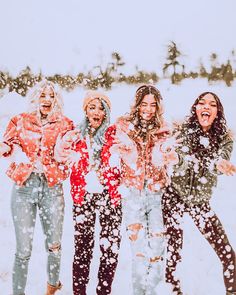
pixel 215 134
pixel 146 129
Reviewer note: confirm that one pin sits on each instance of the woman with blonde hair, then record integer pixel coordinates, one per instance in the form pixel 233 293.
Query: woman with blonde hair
pixel 37 181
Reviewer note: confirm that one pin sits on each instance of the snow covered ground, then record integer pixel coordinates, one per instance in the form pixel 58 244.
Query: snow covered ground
pixel 200 270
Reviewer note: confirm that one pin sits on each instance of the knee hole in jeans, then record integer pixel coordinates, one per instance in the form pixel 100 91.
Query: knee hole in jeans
pixel 139 254
pixel 158 235
pixel 156 259
pixel 55 248
pixel 134 230
pixel 23 256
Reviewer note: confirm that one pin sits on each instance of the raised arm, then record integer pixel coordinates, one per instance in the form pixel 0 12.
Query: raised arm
pixel 10 138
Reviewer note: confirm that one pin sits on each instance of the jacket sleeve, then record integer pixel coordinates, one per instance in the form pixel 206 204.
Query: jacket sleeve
pixel 183 152
pixel 106 154
pixel 111 176
pixel 11 137
pixel 68 125
pixel 226 148
pixel 61 150
pixel 186 161
pixel 225 151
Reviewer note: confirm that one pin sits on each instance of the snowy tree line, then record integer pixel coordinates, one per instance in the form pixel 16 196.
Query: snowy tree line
pixel 104 76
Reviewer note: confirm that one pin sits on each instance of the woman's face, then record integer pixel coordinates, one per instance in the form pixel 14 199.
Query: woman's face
pixel 95 113
pixel 46 100
pixel 206 110
pixel 148 107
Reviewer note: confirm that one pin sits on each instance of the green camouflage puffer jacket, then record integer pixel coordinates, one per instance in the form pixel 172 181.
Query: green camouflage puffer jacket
pixel 193 179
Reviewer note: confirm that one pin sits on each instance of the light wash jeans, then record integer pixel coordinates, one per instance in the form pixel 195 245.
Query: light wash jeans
pixel 24 203
pixel 149 249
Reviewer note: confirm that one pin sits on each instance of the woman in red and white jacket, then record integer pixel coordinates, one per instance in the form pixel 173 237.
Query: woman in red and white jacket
pixel 37 179
pixel 94 186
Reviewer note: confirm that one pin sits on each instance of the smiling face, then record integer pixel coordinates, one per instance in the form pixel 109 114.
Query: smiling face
pixel 46 100
pixel 206 111
pixel 95 113
pixel 148 107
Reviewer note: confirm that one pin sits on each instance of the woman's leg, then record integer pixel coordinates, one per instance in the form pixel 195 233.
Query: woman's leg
pixel 135 216
pixel 51 212
pixel 110 218
pixel 173 210
pixel 156 242
pixel 84 224
pixel 24 210
pixel 210 226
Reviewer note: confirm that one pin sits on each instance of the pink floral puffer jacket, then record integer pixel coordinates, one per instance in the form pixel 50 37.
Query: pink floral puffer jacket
pixel 37 141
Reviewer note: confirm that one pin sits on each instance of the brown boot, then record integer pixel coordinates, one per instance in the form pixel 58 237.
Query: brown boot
pixel 177 291
pixel 51 290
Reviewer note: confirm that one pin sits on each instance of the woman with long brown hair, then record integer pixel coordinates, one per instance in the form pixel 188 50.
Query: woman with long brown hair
pixel 204 152
pixel 140 137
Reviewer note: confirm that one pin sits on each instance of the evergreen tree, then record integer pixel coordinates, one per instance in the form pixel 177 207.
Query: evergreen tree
pixel 173 63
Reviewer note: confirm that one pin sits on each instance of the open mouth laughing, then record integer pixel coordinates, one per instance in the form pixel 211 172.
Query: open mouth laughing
pixel 46 105
pixel 205 115
pixel 147 116
pixel 96 121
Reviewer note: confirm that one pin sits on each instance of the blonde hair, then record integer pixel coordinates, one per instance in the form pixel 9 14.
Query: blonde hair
pixel 35 94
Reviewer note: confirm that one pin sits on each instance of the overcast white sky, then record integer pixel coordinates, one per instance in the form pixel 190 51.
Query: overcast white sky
pixel 65 36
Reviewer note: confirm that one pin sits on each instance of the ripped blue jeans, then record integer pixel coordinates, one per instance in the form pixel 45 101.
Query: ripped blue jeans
pixel 144 223
pixel 25 201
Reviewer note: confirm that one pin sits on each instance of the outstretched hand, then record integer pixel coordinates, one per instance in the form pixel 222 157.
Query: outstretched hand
pixel 226 167
pixel 4 148
pixel 63 148
pixel 171 143
pixel 171 157
pixel 122 144
pixel 164 153
pixel 162 157
pixel 124 147
pixel 69 138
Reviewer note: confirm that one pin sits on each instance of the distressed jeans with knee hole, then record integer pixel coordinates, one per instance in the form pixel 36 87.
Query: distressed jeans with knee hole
pixel 49 201
pixel 148 249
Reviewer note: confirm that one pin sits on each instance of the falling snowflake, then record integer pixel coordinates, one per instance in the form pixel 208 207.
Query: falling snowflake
pixel 204 141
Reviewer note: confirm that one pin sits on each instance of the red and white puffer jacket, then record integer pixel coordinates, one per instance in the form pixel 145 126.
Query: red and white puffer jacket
pixel 108 176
